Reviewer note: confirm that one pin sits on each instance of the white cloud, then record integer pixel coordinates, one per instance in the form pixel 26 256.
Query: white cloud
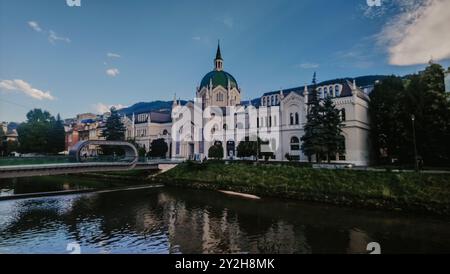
pixel 307 65
pixel 22 86
pixel 113 72
pixel 113 55
pixel 419 33
pixel 102 108
pixel 53 37
pixel 196 38
pixel 34 25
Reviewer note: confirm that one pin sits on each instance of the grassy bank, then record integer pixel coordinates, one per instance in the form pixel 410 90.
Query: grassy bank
pixel 385 190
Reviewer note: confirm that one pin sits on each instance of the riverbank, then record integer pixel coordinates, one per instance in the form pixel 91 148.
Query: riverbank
pixel 409 192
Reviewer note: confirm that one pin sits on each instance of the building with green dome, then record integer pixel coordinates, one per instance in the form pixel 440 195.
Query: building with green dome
pixel 218 87
pixel 218 117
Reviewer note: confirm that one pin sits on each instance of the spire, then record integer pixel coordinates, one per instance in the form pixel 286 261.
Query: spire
pixel 218 54
pixel 218 62
pixel 174 100
pixel 314 81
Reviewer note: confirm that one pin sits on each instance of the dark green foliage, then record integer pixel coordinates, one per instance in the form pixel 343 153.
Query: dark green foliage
pixel 322 137
pixel 158 148
pixel 312 142
pixel 2 142
pixel 332 129
pixel 215 152
pixel 247 149
pixel 392 104
pixel 56 136
pixel 115 130
pixel 41 133
pixel 430 191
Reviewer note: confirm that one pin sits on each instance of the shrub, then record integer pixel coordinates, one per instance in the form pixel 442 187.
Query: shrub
pixel 215 152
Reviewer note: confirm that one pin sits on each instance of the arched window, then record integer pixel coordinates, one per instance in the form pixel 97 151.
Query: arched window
pixel 297 119
pixel 291 119
pixel 295 144
pixel 225 127
pixel 337 91
pixel 343 115
pixel 165 132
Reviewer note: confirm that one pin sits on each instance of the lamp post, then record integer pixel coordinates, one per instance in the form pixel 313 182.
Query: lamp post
pixel 416 164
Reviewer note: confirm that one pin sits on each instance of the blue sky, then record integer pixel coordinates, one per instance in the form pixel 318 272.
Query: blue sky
pixel 72 60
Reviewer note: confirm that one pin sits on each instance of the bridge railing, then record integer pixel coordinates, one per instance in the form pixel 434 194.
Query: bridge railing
pixel 35 160
pixel 62 159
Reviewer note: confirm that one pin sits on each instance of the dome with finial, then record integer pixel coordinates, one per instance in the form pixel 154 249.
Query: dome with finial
pixel 218 77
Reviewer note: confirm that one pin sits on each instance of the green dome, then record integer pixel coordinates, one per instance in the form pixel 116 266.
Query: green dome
pixel 219 78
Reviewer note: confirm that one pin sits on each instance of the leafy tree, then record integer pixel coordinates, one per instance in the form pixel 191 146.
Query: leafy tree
pixel 426 99
pixel 395 100
pixel 332 129
pixel 215 152
pixel 312 140
pixel 384 110
pixel 34 133
pixel 158 148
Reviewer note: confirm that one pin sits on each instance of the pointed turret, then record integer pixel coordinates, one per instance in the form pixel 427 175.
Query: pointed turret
pixel 174 104
pixel 218 61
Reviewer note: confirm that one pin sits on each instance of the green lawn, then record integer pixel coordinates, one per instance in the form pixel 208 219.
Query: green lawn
pixel 318 184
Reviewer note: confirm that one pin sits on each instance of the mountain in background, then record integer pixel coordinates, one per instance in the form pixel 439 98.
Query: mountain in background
pixel 361 81
pixel 166 106
pixel 155 106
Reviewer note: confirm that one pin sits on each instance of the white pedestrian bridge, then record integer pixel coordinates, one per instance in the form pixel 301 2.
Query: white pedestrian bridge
pixel 76 163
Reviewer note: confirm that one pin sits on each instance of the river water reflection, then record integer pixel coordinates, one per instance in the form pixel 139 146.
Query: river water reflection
pixel 170 220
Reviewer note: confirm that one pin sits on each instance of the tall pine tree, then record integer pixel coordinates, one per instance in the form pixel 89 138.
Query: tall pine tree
pixel 332 129
pixel 115 129
pixel 312 140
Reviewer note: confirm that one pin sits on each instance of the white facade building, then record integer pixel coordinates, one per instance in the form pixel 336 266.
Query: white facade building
pixel 280 117
pixel 145 127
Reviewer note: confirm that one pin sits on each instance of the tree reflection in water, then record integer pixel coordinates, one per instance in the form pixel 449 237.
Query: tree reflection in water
pixel 168 220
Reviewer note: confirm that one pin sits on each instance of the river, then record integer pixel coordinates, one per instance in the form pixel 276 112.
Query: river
pixel 162 220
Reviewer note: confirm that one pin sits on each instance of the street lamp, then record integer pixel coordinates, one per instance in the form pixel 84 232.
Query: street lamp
pixel 416 164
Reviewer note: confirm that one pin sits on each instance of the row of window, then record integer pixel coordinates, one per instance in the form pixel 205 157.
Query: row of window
pixel 270 100
pixel 323 92
pixel 330 91
pixel 269 121
pixel 142 117
pixel 143 132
